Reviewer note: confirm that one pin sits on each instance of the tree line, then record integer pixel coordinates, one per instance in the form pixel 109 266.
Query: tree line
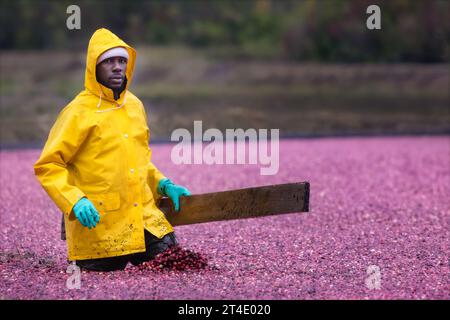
pixel 313 30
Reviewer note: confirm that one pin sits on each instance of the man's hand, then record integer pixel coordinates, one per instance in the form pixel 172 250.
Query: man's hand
pixel 86 213
pixel 174 192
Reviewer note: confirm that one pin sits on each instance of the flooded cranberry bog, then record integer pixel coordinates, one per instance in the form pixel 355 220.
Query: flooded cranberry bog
pixel 377 229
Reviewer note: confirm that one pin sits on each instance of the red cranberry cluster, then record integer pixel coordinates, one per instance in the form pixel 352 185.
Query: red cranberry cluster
pixel 175 259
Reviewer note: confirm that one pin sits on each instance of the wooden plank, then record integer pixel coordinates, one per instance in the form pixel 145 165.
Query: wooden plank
pixel 239 204
pixel 235 204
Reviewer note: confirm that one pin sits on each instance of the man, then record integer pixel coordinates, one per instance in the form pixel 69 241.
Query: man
pixel 96 166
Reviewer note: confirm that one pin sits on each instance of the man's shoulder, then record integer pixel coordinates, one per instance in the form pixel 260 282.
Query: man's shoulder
pixel 85 102
pixel 79 105
pixel 133 99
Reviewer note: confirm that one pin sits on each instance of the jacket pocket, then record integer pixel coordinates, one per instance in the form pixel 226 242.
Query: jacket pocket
pixel 105 201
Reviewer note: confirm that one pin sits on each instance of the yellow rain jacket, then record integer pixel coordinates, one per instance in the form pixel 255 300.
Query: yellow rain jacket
pixel 98 148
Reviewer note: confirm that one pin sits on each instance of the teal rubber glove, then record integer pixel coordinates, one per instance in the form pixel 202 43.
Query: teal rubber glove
pixel 167 188
pixel 86 213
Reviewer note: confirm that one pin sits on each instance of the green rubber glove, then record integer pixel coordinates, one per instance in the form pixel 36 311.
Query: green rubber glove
pixel 86 213
pixel 167 188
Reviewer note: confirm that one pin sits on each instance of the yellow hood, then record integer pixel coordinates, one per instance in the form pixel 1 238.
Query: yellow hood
pixel 101 41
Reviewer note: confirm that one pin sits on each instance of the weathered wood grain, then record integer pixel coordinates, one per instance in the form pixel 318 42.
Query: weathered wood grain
pixel 238 204
pixel 235 204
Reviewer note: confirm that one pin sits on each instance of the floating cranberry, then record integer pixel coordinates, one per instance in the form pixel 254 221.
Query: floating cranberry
pixel 176 259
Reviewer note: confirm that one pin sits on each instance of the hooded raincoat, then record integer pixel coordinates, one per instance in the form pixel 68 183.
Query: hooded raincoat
pixel 98 148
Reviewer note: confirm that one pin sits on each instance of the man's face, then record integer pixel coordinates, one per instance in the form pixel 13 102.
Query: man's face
pixel 111 72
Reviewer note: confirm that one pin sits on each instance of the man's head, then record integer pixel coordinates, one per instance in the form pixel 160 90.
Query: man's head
pixel 111 68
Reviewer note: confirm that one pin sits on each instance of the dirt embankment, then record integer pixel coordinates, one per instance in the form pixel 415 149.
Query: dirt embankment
pixel 180 85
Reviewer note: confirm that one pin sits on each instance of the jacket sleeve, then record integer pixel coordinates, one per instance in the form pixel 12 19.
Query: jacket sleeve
pixel 154 176
pixel 51 169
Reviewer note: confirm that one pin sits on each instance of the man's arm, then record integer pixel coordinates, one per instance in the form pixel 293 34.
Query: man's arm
pixel 154 176
pixel 159 184
pixel 64 140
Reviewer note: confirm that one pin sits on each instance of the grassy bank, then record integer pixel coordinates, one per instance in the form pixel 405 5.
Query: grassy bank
pixel 179 85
